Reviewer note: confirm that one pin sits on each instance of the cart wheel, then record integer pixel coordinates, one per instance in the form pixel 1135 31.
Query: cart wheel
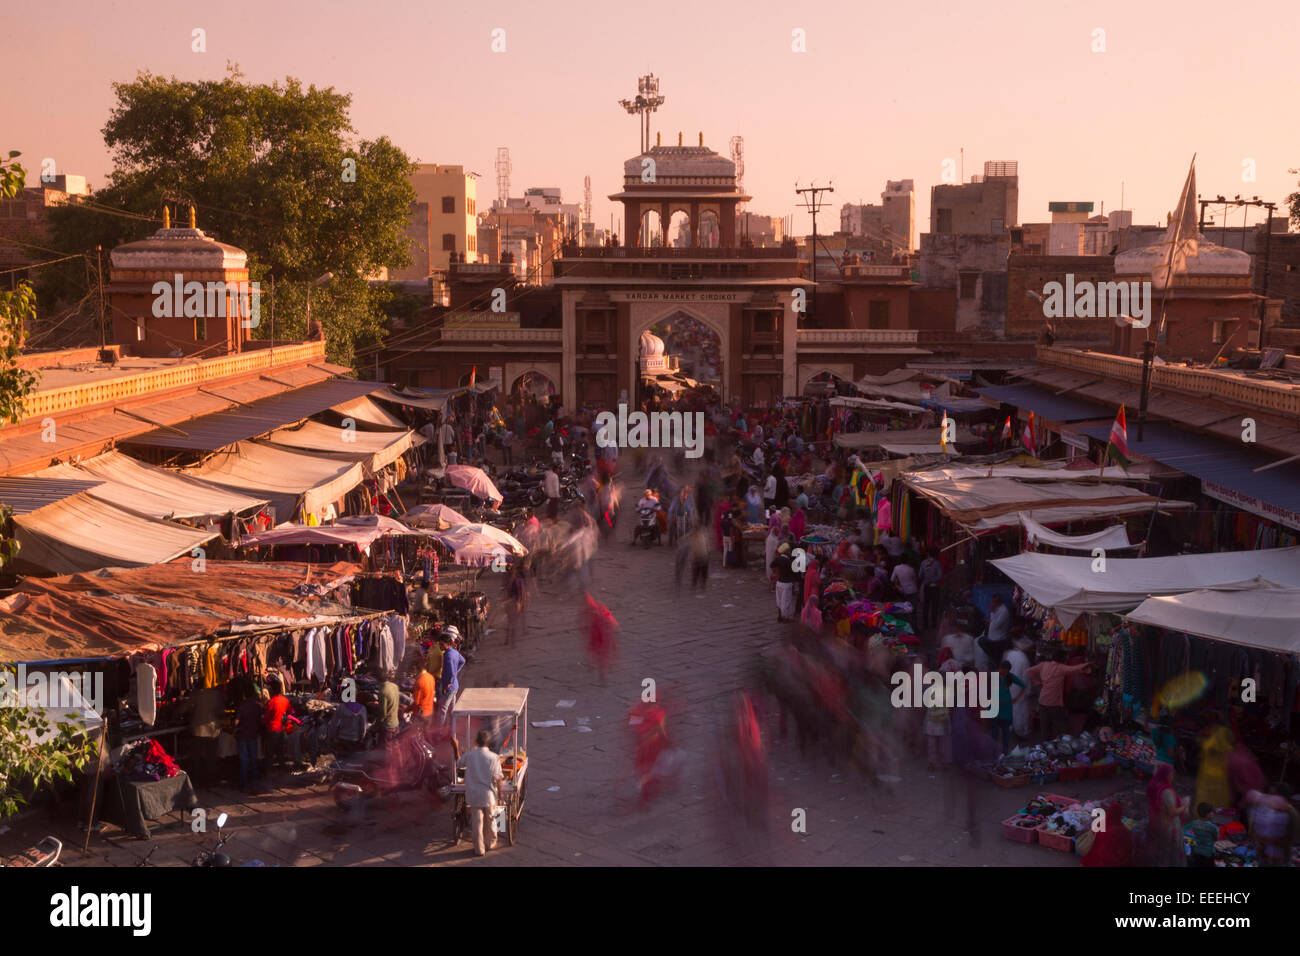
pixel 459 819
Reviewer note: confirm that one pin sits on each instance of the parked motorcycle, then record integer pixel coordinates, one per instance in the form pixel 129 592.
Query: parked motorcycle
pixel 647 528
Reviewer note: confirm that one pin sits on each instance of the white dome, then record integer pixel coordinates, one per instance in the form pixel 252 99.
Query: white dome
pixel 652 346
pixel 681 161
pixel 1202 258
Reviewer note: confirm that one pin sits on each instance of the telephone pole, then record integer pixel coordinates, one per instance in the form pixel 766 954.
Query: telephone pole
pixel 812 201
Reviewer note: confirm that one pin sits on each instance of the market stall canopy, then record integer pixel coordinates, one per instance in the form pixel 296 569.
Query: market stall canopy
pixel 439 517
pixel 846 401
pixel 902 436
pixel 918 450
pixel 60 701
pixel 1110 539
pixel 83 533
pixel 479 545
pixel 475 481
pixel 1071 587
pixel 218 430
pixel 987 504
pixel 1049 472
pixel 430 399
pixel 1263 617
pixel 374 450
pixel 366 409
pixel 359 530
pixel 151 491
pixel 284 477
pixel 118 611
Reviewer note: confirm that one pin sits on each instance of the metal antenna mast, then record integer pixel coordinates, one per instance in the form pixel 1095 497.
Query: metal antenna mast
pixel 503 175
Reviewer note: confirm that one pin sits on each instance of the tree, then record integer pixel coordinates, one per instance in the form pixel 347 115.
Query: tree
pixel 17 308
pixel 273 169
pixel 34 748
pixel 1293 201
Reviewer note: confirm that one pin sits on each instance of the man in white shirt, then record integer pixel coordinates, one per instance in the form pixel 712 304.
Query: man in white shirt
pixel 758 458
pixel 448 435
pixel 551 487
pixel 999 633
pixel 904 577
pixel 483 789
pixel 769 492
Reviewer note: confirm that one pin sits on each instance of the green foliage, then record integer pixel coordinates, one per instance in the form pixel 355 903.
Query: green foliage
pixel 265 167
pixel 26 766
pixel 17 308
pixel 1293 201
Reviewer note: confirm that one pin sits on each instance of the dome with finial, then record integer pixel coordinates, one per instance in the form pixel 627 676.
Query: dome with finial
pixel 652 346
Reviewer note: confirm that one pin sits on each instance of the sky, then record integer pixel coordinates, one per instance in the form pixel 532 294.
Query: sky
pixel 878 92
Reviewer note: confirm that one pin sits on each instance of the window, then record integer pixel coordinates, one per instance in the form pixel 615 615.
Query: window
pixel 448 203
pixel 448 242
pixel 473 243
pixel 968 281
pixel 1218 330
pixel 472 205
pixel 764 323
pixel 200 328
pixel 945 222
pixel 997 226
pixel 879 316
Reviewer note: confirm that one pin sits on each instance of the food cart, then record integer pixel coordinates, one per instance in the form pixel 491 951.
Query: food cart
pixel 504 710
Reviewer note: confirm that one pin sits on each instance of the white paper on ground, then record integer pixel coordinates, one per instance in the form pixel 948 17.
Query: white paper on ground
pixel 548 723
pixel 565 703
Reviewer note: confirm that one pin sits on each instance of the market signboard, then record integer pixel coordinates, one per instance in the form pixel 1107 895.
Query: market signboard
pixel 482 320
pixel 1282 516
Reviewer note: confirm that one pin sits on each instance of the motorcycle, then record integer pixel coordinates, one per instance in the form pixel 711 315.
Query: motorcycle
pixel 408 763
pixel 213 857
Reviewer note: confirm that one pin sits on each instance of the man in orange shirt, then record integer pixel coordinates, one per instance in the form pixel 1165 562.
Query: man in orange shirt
pixel 1051 674
pixel 422 696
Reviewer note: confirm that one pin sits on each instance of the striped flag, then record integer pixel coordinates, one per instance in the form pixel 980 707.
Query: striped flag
pixel 1006 429
pixel 473 374
pixel 1028 436
pixel 1117 448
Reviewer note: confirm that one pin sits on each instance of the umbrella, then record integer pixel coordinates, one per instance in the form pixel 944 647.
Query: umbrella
pixel 475 481
pixel 438 517
pixel 479 544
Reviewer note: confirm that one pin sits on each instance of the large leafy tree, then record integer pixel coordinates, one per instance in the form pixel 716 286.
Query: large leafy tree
pixel 276 170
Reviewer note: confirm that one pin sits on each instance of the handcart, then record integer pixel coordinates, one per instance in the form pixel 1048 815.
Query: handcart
pixel 504 711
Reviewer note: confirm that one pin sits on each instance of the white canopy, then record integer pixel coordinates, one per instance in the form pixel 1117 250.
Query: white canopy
pixel 479 545
pixel 987 504
pixel 366 409
pixel 1071 587
pixel 1110 539
pixel 1263 617
pixel 1022 472
pixel 847 401
pixel 373 449
pixel 280 475
pixel 153 492
pixel 918 449
pixel 83 533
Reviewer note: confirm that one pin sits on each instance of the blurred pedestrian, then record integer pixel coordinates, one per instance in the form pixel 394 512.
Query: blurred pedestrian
pixel 601 630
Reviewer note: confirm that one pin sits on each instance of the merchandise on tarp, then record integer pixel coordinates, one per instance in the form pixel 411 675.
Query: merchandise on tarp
pixel 289 479
pixel 83 533
pixel 1264 617
pixel 360 531
pixel 475 481
pixel 1070 586
pixel 154 492
pixel 479 545
pixel 374 450
pixel 1109 539
pixel 438 517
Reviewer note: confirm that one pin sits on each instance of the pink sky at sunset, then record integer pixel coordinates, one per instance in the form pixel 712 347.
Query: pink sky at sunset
pixel 883 92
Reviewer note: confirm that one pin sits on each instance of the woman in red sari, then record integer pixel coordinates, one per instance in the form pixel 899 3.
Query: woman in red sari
pixel 601 627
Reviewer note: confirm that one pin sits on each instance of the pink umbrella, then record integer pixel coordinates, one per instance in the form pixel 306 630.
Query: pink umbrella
pixel 475 481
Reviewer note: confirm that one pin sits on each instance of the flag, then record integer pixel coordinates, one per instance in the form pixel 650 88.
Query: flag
pixel 1118 445
pixel 1028 436
pixel 1006 429
pixel 1181 236
pixel 943 433
pixel 473 374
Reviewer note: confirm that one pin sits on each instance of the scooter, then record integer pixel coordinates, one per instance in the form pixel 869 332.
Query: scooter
pixel 647 528
pixel 45 853
pixel 409 763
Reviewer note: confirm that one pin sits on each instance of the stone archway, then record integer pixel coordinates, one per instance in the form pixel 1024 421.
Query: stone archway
pixel 515 372
pixel 714 315
pixel 842 371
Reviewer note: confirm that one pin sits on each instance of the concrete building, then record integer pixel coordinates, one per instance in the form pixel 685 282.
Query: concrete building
pixel 443 221
pixel 893 221
pixel 987 205
pixel 24 218
pixel 764 232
